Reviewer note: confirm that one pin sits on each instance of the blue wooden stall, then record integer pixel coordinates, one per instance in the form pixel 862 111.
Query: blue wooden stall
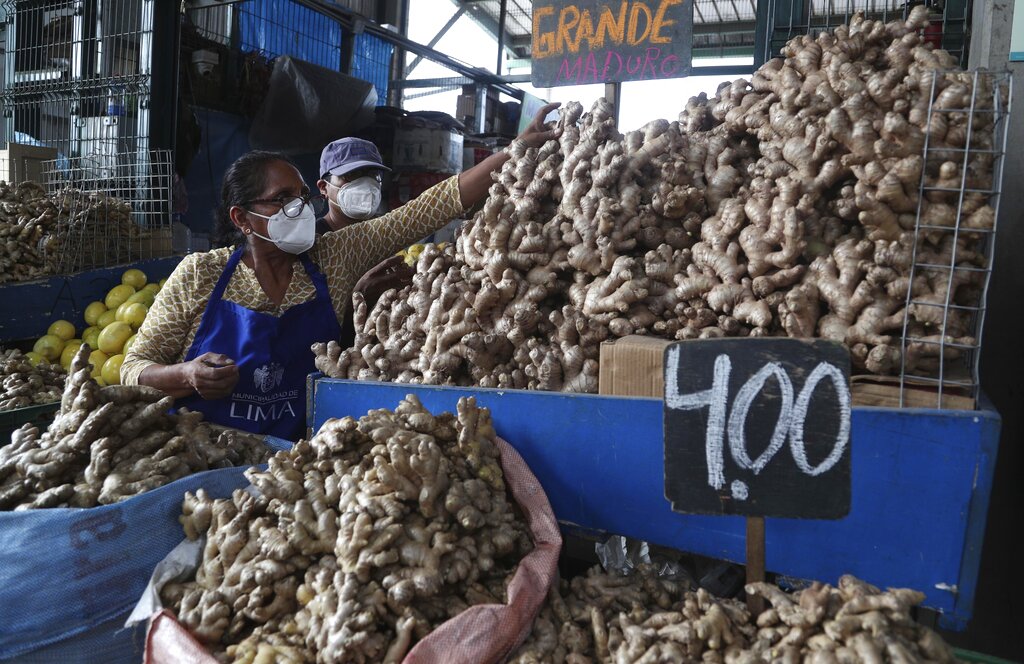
pixel 921 484
pixel 28 307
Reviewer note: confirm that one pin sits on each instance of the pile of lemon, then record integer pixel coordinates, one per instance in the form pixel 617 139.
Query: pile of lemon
pixel 412 254
pixel 112 325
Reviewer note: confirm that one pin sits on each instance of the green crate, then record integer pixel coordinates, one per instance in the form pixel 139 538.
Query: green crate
pixel 11 420
pixel 970 656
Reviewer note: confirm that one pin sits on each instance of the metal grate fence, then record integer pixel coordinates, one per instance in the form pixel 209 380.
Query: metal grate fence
pixel 949 28
pixel 941 347
pixel 77 87
pixel 111 212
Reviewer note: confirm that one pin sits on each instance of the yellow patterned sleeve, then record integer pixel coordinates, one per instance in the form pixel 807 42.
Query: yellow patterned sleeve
pixel 359 247
pixel 162 335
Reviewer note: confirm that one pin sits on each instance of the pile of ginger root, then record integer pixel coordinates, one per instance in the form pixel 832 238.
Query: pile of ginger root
pixel 107 444
pixel 640 618
pixel 355 544
pixel 24 384
pixel 786 205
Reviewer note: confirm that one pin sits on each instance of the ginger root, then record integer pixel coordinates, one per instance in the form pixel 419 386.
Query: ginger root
pixel 785 205
pixel 108 444
pixel 356 543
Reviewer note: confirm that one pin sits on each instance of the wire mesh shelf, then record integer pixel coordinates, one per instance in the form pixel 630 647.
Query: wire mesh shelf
pixel 78 83
pixel 77 75
pixel 112 210
pixel 951 263
pixel 949 26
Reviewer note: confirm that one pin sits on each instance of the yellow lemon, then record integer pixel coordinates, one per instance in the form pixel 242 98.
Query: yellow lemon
pixel 106 318
pixel 128 344
pixel 93 311
pixel 119 312
pixel 162 282
pixel 111 372
pixel 134 278
pixel 50 347
pixel 97 359
pixel 91 336
pixel 118 295
pixel 69 352
pixel 62 329
pixel 34 357
pixel 144 296
pixel 113 336
pixel 135 314
pixel 153 288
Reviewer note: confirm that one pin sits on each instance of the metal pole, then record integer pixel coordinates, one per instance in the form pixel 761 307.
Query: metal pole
pixel 613 93
pixel 755 561
pixel 501 36
pixel 480 114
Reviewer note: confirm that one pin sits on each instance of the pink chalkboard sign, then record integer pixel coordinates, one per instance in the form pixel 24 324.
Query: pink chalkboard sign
pixel 581 42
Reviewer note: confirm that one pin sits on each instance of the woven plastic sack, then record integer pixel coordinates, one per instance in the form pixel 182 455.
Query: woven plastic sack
pixel 67 573
pixel 107 643
pixel 479 635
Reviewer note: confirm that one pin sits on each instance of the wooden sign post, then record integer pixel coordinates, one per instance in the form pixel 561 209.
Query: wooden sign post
pixel 758 427
pixel 579 42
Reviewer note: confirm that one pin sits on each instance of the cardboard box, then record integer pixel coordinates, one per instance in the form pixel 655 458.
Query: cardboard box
pixel 884 392
pixel 24 163
pixel 423 149
pixel 633 366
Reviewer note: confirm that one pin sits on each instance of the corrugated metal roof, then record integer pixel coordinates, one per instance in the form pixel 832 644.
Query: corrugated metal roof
pixel 717 23
pixel 721 27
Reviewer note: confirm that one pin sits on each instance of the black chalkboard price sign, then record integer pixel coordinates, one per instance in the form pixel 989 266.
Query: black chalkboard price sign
pixel 576 42
pixel 758 427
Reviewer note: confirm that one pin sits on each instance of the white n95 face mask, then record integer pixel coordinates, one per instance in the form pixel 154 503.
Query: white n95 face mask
pixel 360 198
pixel 292 234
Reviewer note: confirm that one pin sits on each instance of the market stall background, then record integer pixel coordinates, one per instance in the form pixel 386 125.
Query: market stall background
pixel 217 117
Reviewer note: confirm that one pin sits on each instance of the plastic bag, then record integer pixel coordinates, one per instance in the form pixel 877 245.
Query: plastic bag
pixel 480 634
pixel 307 107
pixel 623 555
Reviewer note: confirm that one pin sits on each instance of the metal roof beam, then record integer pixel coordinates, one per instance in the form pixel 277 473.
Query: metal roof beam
pixel 452 82
pixel 348 17
pixel 436 38
pixel 484 20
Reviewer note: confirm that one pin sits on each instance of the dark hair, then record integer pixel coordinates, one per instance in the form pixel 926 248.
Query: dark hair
pixel 243 181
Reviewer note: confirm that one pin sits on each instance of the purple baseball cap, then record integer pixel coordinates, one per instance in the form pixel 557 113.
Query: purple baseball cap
pixel 348 154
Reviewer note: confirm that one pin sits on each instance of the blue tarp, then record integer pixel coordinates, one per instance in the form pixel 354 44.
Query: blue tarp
pixel 283 27
pixel 68 576
pixel 371 61
pixel 225 138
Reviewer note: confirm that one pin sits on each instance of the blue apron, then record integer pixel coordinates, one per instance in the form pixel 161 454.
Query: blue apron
pixel 273 356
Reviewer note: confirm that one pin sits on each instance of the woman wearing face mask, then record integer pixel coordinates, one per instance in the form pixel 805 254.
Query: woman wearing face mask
pixel 229 334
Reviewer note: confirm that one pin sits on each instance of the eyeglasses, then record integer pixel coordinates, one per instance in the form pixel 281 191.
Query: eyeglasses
pixel 292 205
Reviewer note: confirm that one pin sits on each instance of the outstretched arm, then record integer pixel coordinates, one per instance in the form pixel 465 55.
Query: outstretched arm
pixel 474 182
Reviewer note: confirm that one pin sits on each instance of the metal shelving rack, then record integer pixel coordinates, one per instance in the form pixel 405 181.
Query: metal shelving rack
pixel 78 79
pixel 781 20
pixel 955 343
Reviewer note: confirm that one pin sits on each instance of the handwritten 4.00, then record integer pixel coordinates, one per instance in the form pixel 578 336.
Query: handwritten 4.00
pixel 732 425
